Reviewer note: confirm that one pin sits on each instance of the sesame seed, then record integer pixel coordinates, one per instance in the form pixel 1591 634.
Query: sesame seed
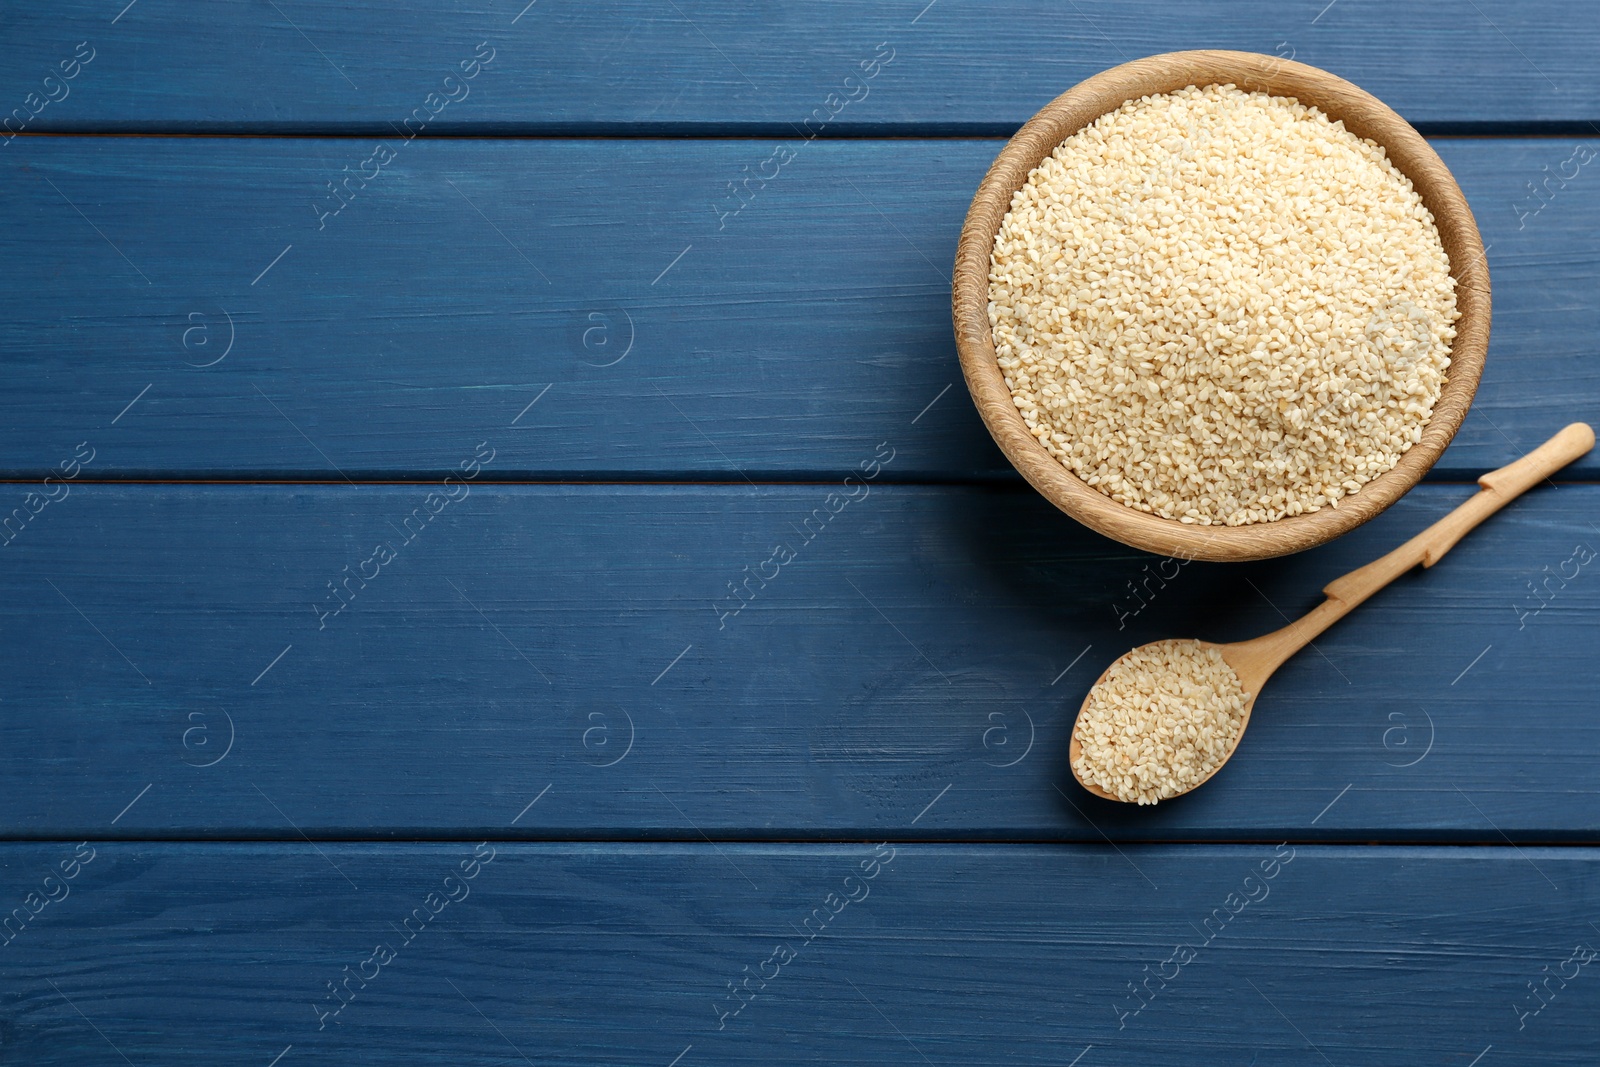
pixel 1221 307
pixel 1160 722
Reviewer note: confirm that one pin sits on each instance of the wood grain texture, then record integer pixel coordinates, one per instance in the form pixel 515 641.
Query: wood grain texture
pixel 545 661
pixel 1360 112
pixel 723 67
pixel 607 954
pixel 923 648
pixel 453 290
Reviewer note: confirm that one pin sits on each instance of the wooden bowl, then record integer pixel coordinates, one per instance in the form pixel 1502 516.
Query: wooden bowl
pixel 1365 116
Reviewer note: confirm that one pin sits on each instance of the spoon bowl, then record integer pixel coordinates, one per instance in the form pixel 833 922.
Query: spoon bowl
pixel 1251 660
pixel 1254 661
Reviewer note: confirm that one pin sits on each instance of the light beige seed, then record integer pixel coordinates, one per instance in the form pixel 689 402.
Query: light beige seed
pixel 1164 717
pixel 1230 284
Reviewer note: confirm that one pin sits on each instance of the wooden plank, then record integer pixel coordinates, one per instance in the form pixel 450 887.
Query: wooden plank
pixel 606 954
pixel 445 298
pixel 566 661
pixel 718 66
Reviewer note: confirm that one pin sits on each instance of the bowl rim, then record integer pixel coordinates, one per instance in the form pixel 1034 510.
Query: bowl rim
pixel 1364 115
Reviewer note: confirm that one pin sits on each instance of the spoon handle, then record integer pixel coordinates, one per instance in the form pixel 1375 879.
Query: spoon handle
pixel 1498 488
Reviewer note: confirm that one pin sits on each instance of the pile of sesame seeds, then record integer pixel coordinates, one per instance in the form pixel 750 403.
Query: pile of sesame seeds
pixel 1164 717
pixel 1221 307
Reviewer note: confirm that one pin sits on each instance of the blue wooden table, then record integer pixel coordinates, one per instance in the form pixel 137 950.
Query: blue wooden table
pixel 440 624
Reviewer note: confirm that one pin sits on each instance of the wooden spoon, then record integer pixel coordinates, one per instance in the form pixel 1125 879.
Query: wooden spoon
pixel 1254 661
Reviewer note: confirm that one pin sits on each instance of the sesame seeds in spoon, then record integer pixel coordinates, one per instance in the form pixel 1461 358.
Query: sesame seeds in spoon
pixel 1165 717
